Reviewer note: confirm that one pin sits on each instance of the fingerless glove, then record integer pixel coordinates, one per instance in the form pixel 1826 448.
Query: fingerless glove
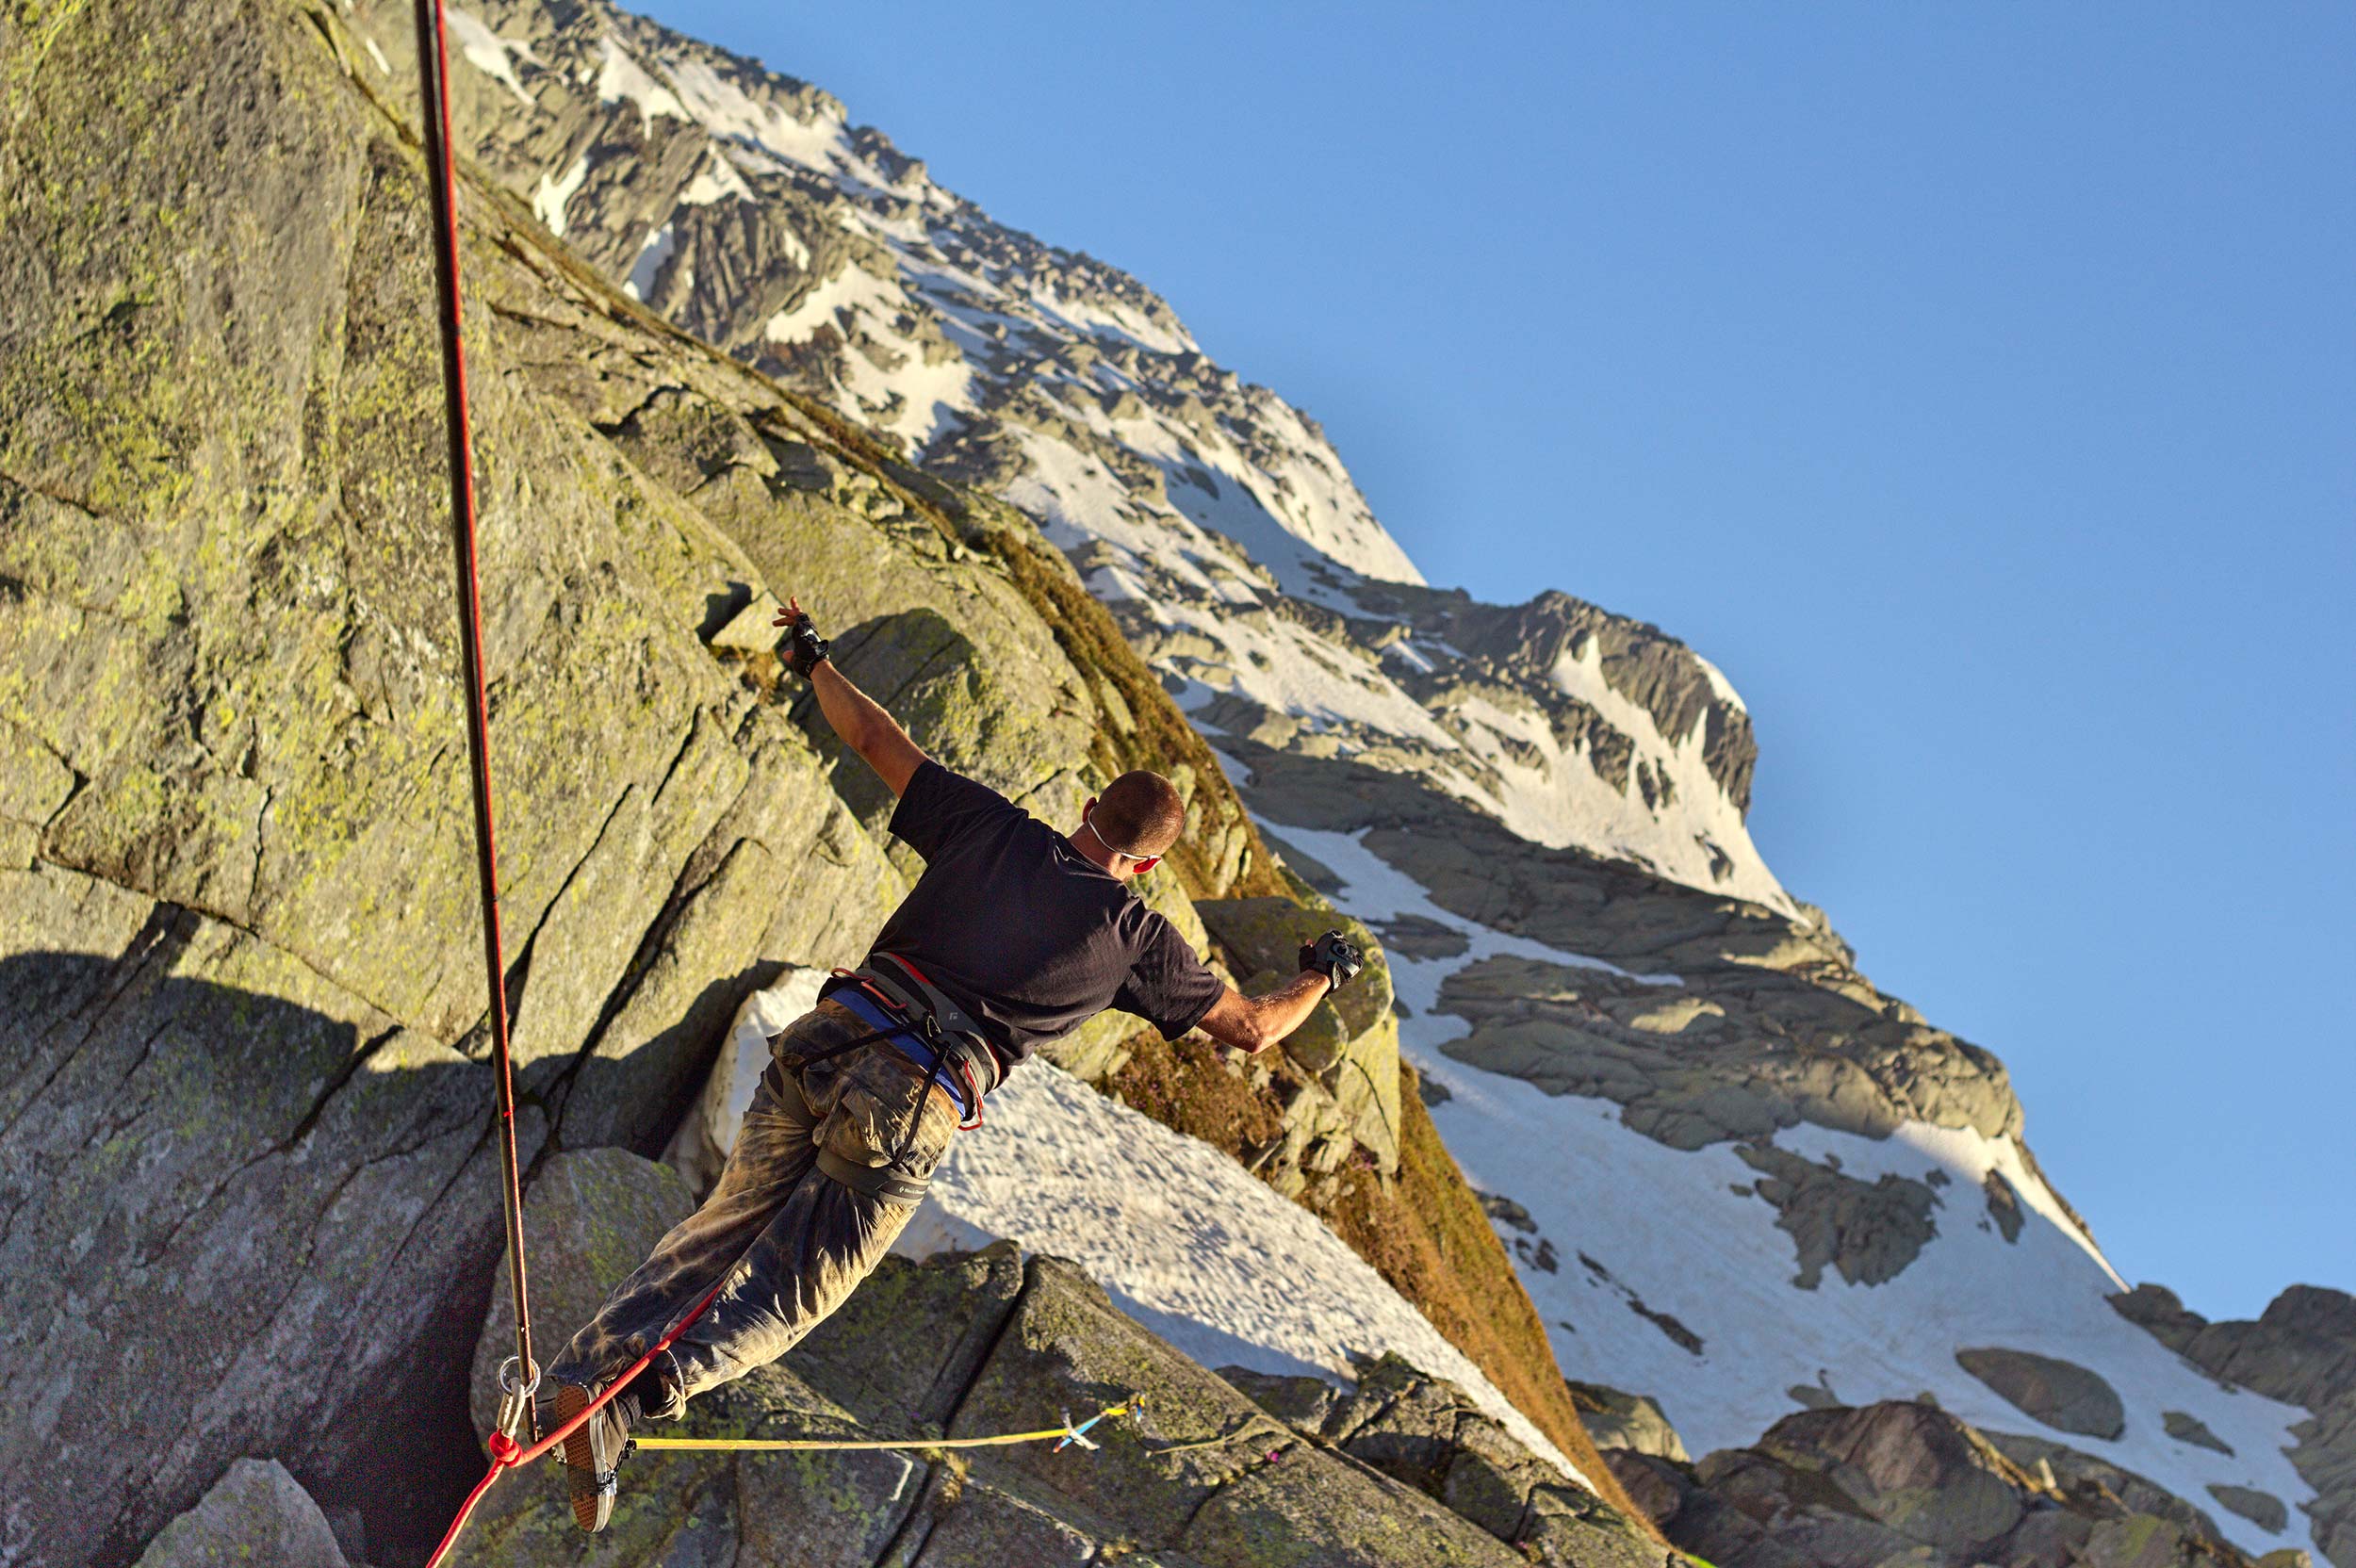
pixel 804 650
pixel 1336 956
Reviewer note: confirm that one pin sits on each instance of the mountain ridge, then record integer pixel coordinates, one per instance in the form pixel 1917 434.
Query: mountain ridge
pixel 744 207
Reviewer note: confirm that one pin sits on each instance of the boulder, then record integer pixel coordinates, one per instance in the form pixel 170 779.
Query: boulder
pixel 255 1514
pixel 1904 1483
pixel 1916 1470
pixel 1633 1421
pixel 1423 1432
pixel 1868 1230
pixel 2062 1394
pixel 1422 938
pixel 2192 1429
pixel 1262 936
pixel 2262 1509
pixel 2097 1486
pixel 2157 1309
pixel 1348 1047
pixel 1301 1402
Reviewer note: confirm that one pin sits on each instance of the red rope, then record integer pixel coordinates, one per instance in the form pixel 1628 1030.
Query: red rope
pixel 506 1454
pixel 433 69
pixel 441 183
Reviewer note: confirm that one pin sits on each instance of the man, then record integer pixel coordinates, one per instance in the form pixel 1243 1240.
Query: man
pixel 1014 934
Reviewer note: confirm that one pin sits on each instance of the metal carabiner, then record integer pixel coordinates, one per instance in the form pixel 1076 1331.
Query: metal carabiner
pixel 515 1412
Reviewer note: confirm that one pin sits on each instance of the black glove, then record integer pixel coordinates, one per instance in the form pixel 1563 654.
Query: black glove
pixel 1334 956
pixel 805 649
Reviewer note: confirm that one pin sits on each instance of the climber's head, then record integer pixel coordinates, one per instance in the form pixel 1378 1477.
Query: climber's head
pixel 1129 828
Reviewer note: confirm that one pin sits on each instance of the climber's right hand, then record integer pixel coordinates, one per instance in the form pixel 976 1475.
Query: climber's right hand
pixel 804 650
pixel 1336 956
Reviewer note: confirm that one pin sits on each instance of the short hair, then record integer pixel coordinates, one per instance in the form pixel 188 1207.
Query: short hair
pixel 1140 814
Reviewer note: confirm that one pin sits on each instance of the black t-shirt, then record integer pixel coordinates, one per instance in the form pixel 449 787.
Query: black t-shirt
pixel 1025 933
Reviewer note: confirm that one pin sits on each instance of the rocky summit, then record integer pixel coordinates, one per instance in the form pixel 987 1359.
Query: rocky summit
pixel 1610 1102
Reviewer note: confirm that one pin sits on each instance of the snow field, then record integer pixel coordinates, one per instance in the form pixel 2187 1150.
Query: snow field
pixel 647 269
pixel 1683 1234
pixel 1183 1238
pixel 1566 802
pixel 1186 1241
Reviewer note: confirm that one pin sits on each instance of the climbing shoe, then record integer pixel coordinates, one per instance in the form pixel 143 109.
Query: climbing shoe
pixel 593 1455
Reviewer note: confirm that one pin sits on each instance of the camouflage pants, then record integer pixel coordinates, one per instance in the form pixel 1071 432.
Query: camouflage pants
pixel 786 1228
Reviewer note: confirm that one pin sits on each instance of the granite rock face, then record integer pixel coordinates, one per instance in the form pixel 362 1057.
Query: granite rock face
pixel 1904 1483
pixel 2302 1351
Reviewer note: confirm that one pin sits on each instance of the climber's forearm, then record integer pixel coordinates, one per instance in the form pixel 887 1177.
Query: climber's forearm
pixel 1255 1022
pixel 865 728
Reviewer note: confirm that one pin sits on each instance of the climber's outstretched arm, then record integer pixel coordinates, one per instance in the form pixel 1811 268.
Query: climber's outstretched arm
pixel 860 719
pixel 1255 1022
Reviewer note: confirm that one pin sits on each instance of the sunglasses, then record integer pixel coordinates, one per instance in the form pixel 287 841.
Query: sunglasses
pixel 1144 863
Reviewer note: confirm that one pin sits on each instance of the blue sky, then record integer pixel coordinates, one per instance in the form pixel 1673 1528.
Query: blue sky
pixel 1976 384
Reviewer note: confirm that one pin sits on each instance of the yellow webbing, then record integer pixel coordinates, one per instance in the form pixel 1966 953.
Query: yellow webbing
pixel 802 1444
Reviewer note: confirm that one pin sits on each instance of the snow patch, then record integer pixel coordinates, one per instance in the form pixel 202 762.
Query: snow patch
pixel 488 53
pixel 847 291
pixel 647 270
pixel 821 145
pixel 1185 1239
pixel 620 76
pixel 1720 684
pixel 1375 891
pixel 717 180
pixel 548 201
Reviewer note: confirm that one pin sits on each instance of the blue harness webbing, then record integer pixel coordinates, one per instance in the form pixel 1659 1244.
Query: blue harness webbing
pixel 904 1035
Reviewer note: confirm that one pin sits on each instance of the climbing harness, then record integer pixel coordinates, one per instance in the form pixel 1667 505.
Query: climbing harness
pixel 944 1028
pixel 935 1025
